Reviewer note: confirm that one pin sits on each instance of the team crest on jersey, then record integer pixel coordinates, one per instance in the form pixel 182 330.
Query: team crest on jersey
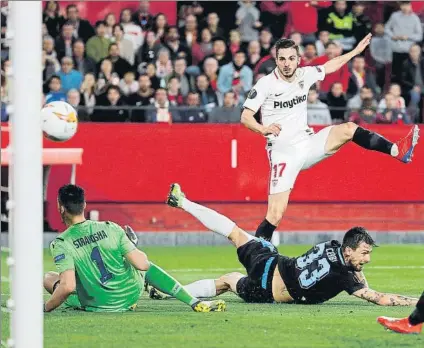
pixel 301 84
pixel 274 182
pixel 252 94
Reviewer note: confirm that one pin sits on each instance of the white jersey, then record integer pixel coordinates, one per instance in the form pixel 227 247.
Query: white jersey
pixel 285 103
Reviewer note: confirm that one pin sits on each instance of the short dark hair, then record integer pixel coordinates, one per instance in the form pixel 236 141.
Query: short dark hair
pixel 72 198
pixel 99 23
pixel 116 88
pixel 356 236
pixel 365 87
pixel 69 6
pixel 117 25
pixel 111 45
pixel 286 43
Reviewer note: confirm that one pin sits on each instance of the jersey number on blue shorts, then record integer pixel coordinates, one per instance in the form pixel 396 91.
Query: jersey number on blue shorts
pixel 105 275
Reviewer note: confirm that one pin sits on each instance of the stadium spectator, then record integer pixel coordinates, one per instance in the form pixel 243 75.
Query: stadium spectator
pixel 199 50
pixel 339 23
pixel 267 64
pixel 303 17
pixel 160 26
pixel 413 79
pixel 73 99
pixel 265 41
pixel 210 68
pixel 120 65
pixel 367 114
pixel 309 54
pixel 98 45
pixel 253 54
pixel 208 98
pixel 318 113
pixel 161 110
pixel 213 25
pixel 336 101
pixel 63 44
pixel 381 53
pixel 143 97
pixel 151 72
pixel 234 43
pixel 142 17
pixel 132 31
pixel 164 68
pixel 87 90
pixel 126 47
pixel 174 92
pixel 332 50
pixel 184 78
pixel 114 112
pixel 236 76
pixel 82 28
pixel 298 40
pixel 177 48
pixel 392 114
pixel 228 112
pixel 82 63
pixel 361 23
pixel 148 52
pixel 189 32
pixel 55 92
pixel 321 43
pixel 4 114
pixel 52 18
pixel 361 76
pixel 69 77
pixel 106 77
pixel 274 13
pixel 128 84
pixel 396 91
pixel 247 21
pixel 110 22
pixel 194 113
pixel 404 29
pixel 48 47
pixel 355 103
pixel 219 52
pixel 48 66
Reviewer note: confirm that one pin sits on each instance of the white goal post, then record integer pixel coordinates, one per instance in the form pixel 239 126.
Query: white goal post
pixel 26 203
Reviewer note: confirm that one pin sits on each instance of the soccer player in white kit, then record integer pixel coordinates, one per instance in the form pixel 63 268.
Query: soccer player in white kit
pixel 292 146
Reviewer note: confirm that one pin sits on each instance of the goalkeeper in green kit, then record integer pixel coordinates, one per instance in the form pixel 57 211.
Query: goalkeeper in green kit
pixel 98 265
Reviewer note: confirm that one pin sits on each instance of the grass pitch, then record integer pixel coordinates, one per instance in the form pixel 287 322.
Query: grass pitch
pixel 342 322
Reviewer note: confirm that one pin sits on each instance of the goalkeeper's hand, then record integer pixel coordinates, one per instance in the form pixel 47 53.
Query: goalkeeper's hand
pixel 132 236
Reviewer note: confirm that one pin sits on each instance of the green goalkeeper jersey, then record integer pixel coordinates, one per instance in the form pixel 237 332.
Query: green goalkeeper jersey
pixel 105 281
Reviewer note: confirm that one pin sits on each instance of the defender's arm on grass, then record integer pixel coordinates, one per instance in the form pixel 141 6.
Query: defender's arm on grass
pixel 384 299
pixel 65 288
pixel 336 63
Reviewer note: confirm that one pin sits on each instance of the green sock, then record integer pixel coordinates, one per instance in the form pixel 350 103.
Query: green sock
pixel 162 281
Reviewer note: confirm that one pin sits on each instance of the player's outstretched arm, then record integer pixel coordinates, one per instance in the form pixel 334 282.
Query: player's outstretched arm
pixel 384 299
pixel 66 287
pixel 336 63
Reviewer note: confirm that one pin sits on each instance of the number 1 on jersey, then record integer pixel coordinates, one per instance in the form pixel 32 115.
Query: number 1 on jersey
pixel 105 275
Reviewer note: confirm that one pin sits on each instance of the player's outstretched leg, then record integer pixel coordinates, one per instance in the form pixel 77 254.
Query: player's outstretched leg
pixel 401 150
pixel 211 219
pixel 410 325
pixel 161 280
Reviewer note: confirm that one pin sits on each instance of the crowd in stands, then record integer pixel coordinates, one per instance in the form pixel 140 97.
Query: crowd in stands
pixel 138 68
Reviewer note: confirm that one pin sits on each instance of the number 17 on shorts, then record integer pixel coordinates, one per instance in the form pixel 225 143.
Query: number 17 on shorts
pixel 283 172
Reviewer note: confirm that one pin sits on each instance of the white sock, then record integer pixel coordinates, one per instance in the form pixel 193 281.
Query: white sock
pixel 394 151
pixel 202 288
pixel 209 218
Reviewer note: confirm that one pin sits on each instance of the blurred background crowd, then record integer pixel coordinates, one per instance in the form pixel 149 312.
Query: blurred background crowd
pixel 136 67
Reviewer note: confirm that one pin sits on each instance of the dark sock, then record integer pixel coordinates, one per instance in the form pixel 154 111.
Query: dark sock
pixel 265 230
pixel 417 315
pixel 371 141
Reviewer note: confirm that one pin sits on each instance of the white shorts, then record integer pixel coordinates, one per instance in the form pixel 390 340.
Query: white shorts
pixel 286 165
